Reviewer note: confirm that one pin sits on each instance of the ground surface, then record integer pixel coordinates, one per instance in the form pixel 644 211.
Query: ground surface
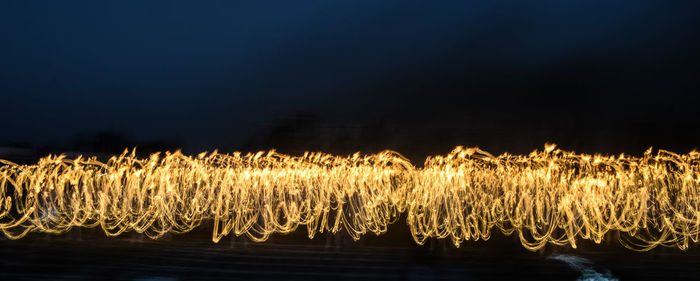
pixel 86 254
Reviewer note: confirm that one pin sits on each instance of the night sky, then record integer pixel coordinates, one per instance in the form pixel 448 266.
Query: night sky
pixel 418 77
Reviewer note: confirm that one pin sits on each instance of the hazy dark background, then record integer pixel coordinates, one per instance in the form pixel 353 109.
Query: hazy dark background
pixel 419 78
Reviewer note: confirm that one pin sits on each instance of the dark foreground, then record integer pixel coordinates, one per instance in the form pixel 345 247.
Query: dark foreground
pixel 86 254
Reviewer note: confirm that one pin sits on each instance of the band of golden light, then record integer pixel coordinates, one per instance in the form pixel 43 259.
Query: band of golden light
pixel 549 196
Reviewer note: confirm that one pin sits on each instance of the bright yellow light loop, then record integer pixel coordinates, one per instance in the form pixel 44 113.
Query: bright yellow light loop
pixel 547 197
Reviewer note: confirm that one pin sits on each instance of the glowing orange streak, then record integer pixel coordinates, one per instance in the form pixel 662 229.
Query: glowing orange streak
pixel 548 196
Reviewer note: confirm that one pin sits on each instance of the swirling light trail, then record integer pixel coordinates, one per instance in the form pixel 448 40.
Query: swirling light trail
pixel 549 196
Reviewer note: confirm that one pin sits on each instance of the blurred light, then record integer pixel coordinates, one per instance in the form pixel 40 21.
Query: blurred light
pixel 546 197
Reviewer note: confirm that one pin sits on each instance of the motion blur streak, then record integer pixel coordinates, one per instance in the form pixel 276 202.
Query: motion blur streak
pixel 549 196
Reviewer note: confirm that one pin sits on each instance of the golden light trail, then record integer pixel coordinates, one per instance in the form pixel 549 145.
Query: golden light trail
pixel 547 197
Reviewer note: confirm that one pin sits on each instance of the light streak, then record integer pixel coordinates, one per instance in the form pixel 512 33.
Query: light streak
pixel 547 197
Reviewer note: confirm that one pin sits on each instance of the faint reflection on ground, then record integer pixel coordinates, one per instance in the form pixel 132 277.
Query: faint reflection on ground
pixel 586 267
pixel 86 254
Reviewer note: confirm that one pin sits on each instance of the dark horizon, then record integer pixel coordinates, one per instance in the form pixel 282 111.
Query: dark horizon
pixel 418 78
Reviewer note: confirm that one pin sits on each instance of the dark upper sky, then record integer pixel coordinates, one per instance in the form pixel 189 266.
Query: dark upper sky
pixel 505 75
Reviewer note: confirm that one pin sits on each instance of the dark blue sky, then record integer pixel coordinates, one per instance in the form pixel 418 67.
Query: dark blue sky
pixel 210 74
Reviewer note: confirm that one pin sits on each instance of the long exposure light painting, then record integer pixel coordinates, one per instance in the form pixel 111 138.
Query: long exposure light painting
pixel 549 196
